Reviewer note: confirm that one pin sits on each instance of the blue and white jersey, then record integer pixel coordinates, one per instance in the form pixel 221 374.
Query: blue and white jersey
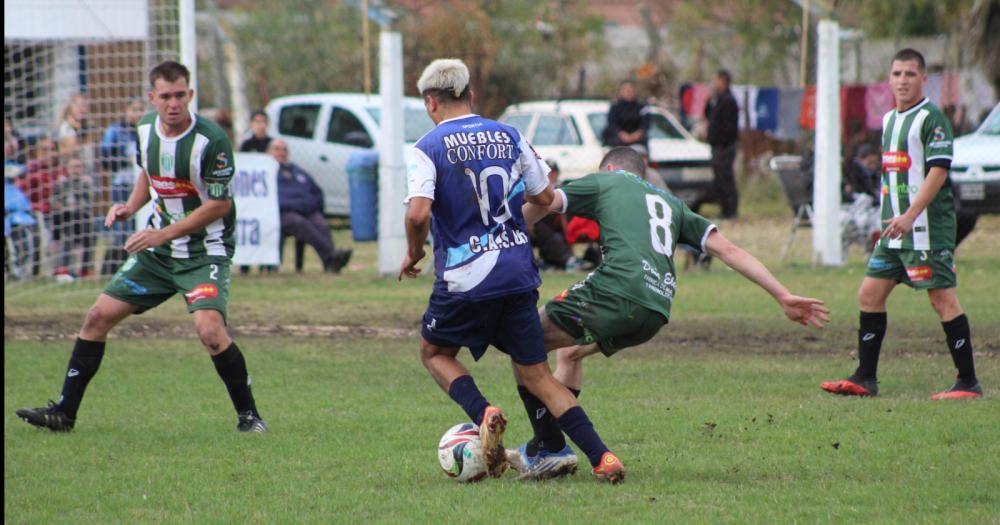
pixel 476 170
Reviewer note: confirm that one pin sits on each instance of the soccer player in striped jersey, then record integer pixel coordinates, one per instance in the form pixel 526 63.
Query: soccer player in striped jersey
pixel 186 248
pixel 918 243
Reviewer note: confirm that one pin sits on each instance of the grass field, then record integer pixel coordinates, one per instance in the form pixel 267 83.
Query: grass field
pixel 718 419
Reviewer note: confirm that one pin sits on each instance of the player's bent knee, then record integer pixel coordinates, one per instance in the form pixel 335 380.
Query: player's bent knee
pixel 97 321
pixel 212 333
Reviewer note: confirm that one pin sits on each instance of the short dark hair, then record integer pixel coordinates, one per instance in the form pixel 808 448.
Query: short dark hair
pixel 625 158
pixel 447 96
pixel 724 75
pixel 259 113
pixel 553 165
pixel 169 71
pixel 904 55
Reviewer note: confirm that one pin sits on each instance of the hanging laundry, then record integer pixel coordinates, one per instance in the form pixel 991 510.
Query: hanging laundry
pixel 789 109
pixel 746 99
pixel 852 111
pixel 767 109
pixel 878 102
pixel 807 116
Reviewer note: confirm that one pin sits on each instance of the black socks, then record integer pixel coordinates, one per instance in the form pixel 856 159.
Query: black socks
pixel 960 344
pixel 83 364
pixel 870 334
pixel 232 368
pixel 548 434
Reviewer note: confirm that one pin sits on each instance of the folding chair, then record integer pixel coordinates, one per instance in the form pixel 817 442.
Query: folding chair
pixel 798 190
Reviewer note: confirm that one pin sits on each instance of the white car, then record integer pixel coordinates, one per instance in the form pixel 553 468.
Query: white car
pixel 975 167
pixel 569 132
pixel 323 129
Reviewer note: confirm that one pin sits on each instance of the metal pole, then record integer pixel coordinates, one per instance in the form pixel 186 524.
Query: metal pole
pixel 826 186
pixel 188 44
pixel 392 168
pixel 366 47
pixel 804 51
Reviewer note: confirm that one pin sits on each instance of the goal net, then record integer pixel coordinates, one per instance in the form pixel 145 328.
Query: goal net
pixel 74 85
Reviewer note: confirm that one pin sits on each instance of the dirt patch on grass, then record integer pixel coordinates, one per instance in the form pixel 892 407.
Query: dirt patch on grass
pixel 690 336
pixel 67 327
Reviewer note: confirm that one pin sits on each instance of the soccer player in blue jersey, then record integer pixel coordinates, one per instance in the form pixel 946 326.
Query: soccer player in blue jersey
pixel 472 175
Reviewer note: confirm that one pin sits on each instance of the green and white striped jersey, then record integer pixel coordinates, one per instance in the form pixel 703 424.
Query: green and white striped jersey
pixel 914 141
pixel 185 171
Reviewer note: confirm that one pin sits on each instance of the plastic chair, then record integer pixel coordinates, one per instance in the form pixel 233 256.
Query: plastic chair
pixel 798 190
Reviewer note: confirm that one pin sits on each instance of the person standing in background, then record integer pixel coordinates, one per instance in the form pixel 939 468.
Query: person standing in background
pixel 723 113
pixel 258 141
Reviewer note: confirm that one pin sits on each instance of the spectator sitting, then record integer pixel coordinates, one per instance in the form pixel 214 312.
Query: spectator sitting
pixel 119 146
pixel 861 174
pixel 18 221
pixel 258 139
pixel 548 235
pixel 10 135
pixel 72 208
pixel 860 218
pixel 628 119
pixel 300 202
pixel 43 171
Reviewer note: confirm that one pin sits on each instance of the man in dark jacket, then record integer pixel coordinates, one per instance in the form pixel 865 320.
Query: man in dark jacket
pixel 300 202
pixel 723 116
pixel 628 119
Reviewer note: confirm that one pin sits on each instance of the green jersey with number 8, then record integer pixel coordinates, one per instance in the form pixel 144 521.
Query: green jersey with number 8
pixel 641 226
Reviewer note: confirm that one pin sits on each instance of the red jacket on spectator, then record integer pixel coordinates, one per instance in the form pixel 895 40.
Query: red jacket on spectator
pixel 37 184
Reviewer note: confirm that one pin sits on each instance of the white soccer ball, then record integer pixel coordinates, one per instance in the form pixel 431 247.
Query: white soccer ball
pixel 460 453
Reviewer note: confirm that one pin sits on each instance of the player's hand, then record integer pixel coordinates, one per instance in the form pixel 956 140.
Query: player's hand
pixel 117 212
pixel 409 266
pixel 898 226
pixel 144 239
pixel 805 310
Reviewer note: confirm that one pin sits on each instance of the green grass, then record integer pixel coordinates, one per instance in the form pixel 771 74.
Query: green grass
pixel 718 419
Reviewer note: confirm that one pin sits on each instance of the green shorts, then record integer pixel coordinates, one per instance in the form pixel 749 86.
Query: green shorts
pixel 147 279
pixel 918 269
pixel 591 315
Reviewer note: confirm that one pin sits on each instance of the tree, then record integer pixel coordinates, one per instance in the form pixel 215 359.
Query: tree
pixel 754 39
pixel 983 23
pixel 516 50
pixel 313 46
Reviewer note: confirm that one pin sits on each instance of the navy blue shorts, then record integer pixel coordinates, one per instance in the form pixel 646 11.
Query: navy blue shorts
pixel 509 323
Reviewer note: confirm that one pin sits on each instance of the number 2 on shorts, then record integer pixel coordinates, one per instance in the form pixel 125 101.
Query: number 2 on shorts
pixel 215 272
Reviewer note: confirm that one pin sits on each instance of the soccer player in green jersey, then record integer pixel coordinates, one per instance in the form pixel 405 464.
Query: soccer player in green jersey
pixel 627 299
pixel 918 243
pixel 186 248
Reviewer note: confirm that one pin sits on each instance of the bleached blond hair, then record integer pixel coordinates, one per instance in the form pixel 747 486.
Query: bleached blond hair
pixel 446 74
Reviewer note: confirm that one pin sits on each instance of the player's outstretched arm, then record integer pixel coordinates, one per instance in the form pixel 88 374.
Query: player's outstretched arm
pixel 802 310
pixel 536 211
pixel 418 224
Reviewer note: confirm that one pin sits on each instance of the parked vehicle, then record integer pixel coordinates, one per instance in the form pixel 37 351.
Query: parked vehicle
pixel 569 132
pixel 323 129
pixel 975 167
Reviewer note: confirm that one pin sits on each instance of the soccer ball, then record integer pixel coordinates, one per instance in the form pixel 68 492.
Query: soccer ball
pixel 460 453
